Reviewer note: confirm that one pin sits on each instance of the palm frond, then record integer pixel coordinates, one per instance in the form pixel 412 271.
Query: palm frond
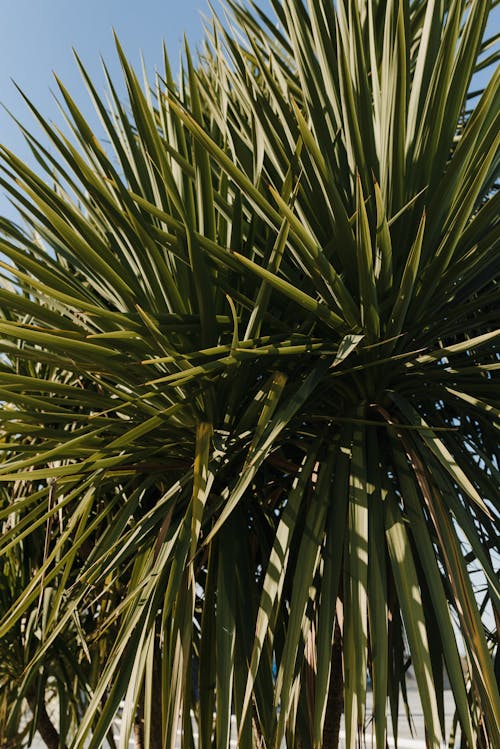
pixel 249 412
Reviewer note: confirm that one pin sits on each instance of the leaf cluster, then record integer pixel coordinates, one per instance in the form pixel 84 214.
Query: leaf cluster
pixel 248 356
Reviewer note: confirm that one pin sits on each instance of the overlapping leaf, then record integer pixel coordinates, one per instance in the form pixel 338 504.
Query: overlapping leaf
pixel 247 377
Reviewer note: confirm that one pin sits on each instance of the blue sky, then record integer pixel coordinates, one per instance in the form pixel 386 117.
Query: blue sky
pixel 38 36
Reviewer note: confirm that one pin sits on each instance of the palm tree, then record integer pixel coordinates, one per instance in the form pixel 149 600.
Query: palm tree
pixel 249 417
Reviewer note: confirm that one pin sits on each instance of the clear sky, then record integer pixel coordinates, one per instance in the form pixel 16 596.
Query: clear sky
pixel 38 36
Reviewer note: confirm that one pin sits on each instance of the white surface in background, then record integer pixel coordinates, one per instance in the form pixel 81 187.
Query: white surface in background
pixel 405 739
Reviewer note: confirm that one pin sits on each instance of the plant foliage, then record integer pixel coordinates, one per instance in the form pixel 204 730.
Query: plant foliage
pixel 249 347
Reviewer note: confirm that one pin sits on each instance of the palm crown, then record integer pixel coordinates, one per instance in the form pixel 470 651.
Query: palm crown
pixel 248 411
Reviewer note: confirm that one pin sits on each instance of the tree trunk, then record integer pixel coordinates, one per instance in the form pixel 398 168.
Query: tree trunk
pixel 139 724
pixel 156 718
pixel 155 730
pixel 45 727
pixel 335 702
